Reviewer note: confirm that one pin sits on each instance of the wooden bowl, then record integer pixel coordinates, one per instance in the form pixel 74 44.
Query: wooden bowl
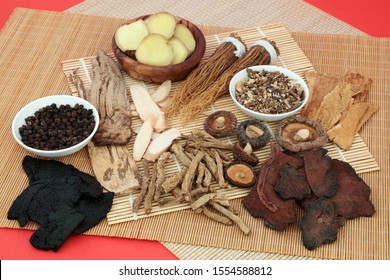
pixel 159 74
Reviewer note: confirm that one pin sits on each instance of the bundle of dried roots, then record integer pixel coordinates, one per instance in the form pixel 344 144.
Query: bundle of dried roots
pixel 202 76
pixel 256 55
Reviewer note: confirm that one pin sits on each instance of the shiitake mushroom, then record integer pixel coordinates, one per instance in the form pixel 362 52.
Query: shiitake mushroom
pixel 240 174
pixel 254 132
pixel 299 133
pixel 244 153
pixel 220 123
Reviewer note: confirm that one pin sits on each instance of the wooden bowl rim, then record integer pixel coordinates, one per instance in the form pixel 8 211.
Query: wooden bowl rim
pixel 190 62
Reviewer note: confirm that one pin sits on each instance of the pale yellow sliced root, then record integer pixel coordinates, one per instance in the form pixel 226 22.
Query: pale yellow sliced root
pixel 162 23
pixel 154 50
pixel 180 52
pixel 129 36
pixel 185 35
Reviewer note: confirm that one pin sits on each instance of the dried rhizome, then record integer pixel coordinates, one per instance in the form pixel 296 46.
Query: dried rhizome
pixel 328 190
pixel 113 165
pixel 202 159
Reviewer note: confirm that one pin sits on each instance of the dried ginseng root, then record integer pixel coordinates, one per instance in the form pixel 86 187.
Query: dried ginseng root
pixel 229 50
pixel 256 55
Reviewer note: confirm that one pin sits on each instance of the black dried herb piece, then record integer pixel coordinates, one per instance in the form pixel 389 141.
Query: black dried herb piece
pixel 61 199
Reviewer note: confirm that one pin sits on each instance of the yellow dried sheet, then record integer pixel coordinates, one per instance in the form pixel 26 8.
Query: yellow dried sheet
pixel 291 57
pixel 33 43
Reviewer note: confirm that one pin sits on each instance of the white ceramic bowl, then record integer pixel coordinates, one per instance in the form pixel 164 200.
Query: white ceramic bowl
pixel 34 106
pixel 270 68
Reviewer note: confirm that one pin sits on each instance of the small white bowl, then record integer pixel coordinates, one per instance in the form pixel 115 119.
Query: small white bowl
pixel 270 68
pixel 34 106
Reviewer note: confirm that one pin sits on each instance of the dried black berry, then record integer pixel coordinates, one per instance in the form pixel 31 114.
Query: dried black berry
pixel 54 128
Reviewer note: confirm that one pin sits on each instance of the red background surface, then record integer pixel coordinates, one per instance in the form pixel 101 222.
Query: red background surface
pixel 368 16
pixel 371 17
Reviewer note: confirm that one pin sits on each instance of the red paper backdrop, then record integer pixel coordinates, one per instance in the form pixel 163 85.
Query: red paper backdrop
pixel 371 17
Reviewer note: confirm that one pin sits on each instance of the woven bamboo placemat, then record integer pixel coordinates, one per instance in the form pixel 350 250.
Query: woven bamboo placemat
pixel 29 62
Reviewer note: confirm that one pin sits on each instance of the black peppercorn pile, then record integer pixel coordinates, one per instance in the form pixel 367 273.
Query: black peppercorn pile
pixel 55 128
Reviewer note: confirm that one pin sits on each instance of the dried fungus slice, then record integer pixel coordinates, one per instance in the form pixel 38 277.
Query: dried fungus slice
pixel 263 201
pixel 299 133
pixel 293 183
pixel 319 225
pixel 244 153
pixel 240 175
pixel 353 195
pixel 220 123
pixel 254 132
pixel 319 172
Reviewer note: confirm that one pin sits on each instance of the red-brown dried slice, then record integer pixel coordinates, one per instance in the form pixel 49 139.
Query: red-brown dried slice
pixel 319 225
pixel 319 172
pixel 353 195
pixel 293 183
pixel 263 201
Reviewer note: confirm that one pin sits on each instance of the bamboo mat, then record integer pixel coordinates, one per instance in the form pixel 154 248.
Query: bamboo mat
pixel 296 15
pixel 291 57
pixel 30 65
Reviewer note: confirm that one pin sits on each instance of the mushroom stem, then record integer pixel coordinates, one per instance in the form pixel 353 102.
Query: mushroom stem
pixel 253 131
pixel 248 148
pixel 220 122
pixel 302 135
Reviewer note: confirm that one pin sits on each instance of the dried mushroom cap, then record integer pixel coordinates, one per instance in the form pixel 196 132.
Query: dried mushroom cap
pixel 244 153
pixel 253 132
pixel 298 133
pixel 220 123
pixel 240 174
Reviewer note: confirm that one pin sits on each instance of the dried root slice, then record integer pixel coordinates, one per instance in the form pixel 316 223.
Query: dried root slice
pixel 151 189
pixel 203 200
pixel 144 186
pixel 161 173
pixel 240 175
pixel 162 92
pixel 237 220
pixel 190 175
pixel 254 132
pixel 221 123
pixel 220 177
pixel 215 216
pixel 174 181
